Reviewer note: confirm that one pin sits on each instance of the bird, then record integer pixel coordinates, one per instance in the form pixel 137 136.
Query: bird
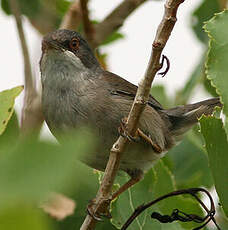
pixel 77 92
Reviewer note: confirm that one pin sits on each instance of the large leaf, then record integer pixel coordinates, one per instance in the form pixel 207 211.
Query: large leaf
pixel 217 148
pixel 203 13
pixel 166 183
pixel 23 216
pixel 10 136
pixel 7 98
pixel 83 191
pixel 125 205
pixel 216 66
pixel 159 92
pixel 158 181
pixel 27 7
pixel 190 163
pixel 33 169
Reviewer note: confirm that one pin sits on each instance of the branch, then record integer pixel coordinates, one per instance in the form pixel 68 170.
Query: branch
pixel 88 26
pixel 115 20
pixel 185 217
pixel 31 112
pixel 141 98
pixel 73 17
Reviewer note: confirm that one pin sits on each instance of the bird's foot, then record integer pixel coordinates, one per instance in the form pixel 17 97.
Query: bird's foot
pixel 124 132
pixel 164 58
pixel 102 212
pixel 138 135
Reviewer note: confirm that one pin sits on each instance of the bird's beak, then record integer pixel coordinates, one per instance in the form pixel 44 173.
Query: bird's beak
pixel 48 44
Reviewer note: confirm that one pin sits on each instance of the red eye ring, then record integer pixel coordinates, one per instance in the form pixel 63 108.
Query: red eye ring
pixel 74 44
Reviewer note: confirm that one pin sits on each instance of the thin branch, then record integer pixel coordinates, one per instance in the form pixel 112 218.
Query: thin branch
pixel 191 191
pixel 27 65
pixel 88 26
pixel 31 113
pixel 142 96
pixel 73 17
pixel 115 20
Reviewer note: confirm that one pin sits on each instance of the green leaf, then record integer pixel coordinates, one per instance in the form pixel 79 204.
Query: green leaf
pixel 7 98
pixel 159 92
pixel 183 96
pixel 158 181
pixel 10 136
pixel 203 13
pixel 27 7
pixel 62 6
pixel 208 87
pixel 112 38
pixel 217 148
pixel 216 66
pixel 32 169
pixel 125 205
pixel 190 163
pixel 82 191
pixel 165 183
pixel 23 216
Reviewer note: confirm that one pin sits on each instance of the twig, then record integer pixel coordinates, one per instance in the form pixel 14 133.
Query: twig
pixel 73 17
pixel 115 20
pixel 142 96
pixel 31 113
pixel 87 24
pixel 192 191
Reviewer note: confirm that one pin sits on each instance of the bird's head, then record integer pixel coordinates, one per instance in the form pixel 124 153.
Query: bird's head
pixel 63 48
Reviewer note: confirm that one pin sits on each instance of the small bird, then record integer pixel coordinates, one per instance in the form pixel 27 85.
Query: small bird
pixel 77 92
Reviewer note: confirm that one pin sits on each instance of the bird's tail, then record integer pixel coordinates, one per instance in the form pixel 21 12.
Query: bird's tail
pixel 182 118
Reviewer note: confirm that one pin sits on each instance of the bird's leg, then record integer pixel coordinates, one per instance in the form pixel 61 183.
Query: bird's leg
pixel 156 147
pixel 164 58
pixel 135 178
pixel 136 175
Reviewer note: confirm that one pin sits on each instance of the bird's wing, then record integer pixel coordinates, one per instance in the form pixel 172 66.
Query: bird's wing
pixel 122 87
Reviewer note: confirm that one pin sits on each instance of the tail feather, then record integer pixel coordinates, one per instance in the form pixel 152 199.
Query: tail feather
pixel 184 117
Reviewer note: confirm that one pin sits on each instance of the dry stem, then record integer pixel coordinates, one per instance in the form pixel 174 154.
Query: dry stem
pixel 31 113
pixel 88 26
pixel 163 33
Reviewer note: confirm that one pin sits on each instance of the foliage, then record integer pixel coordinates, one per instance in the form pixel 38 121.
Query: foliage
pixel 216 69
pixel 203 13
pixel 217 148
pixel 7 98
pixel 30 169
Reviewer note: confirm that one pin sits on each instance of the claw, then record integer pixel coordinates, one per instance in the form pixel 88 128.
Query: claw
pixel 124 133
pixel 104 213
pixel 164 58
pixel 92 214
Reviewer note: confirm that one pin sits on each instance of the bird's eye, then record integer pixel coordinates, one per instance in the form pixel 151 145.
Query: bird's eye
pixel 74 43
